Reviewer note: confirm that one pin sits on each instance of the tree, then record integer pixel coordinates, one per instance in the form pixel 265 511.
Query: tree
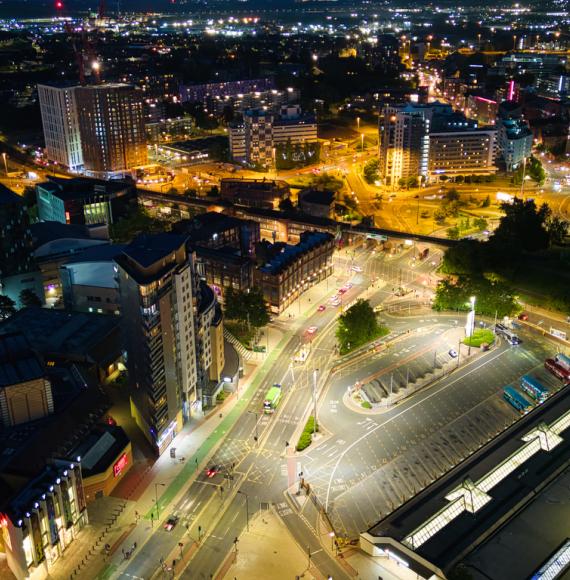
pixel 439 215
pixel 459 179
pixel 29 195
pixel 412 182
pixel 7 307
pixel 451 195
pixel 249 307
pixel 137 222
pixel 480 223
pixel 29 298
pixel 452 208
pixel 536 171
pixel 349 202
pixel 402 182
pixel 370 170
pixel 453 233
pixel 463 258
pixel 522 228
pixel 493 297
pixel 486 201
pixel 357 326
pixel 286 205
pixel 557 229
pixel 326 181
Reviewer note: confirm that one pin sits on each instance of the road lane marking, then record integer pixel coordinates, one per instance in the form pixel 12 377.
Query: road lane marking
pixel 400 413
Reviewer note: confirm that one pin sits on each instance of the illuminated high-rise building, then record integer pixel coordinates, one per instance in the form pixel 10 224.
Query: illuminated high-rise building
pixel 61 125
pixel 98 129
pixel 404 144
pixel 170 318
pixel 111 124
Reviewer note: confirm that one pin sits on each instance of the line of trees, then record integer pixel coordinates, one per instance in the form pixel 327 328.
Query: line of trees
pixel 486 269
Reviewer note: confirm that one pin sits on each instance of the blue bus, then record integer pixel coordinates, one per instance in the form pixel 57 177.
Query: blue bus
pixel 534 389
pixel 514 398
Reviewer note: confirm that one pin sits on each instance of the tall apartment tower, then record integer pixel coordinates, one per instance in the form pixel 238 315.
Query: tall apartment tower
pixel 61 125
pixel 254 140
pixel 111 125
pixel 404 144
pixel 158 303
pixel 259 136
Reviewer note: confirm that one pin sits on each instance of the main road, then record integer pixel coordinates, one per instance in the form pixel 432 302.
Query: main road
pixel 211 509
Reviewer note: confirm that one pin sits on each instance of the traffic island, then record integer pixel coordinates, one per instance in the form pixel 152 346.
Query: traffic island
pixel 378 393
pixel 307 434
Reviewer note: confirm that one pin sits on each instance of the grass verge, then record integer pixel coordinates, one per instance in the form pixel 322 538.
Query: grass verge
pixel 479 337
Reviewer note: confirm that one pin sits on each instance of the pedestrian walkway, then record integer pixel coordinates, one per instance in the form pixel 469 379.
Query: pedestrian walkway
pixel 267 550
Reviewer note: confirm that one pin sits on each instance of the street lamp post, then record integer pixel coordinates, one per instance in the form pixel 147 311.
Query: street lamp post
pixel 362 141
pixel 156 499
pixel 246 509
pixel 358 123
pixel 331 534
pixel 5 163
pixel 472 300
pixel 315 400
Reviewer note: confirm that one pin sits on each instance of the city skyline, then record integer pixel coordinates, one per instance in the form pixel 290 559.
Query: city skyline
pixel 284 290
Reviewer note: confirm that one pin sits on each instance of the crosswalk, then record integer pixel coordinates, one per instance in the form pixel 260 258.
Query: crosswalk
pixel 244 352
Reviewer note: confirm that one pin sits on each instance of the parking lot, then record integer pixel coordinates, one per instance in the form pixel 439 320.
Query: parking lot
pixel 373 464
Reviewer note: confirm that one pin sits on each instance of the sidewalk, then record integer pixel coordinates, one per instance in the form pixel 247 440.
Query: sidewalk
pixel 266 551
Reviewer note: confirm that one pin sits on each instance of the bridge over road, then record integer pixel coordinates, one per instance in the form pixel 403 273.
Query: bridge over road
pixel 297 221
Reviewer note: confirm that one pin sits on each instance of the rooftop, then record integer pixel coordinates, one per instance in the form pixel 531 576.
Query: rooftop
pixel 44 232
pixel 204 226
pixel 18 363
pixel 25 449
pixel 444 521
pixel 78 187
pixel 147 249
pixel 58 332
pixel 289 253
pixel 229 255
pixel 99 253
pixel 317 196
pixel 99 448
pixel 7 196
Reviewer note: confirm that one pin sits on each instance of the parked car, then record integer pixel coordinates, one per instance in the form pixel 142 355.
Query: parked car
pixel 523 316
pixel 453 353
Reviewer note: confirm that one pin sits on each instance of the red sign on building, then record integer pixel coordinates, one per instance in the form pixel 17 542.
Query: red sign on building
pixel 120 464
